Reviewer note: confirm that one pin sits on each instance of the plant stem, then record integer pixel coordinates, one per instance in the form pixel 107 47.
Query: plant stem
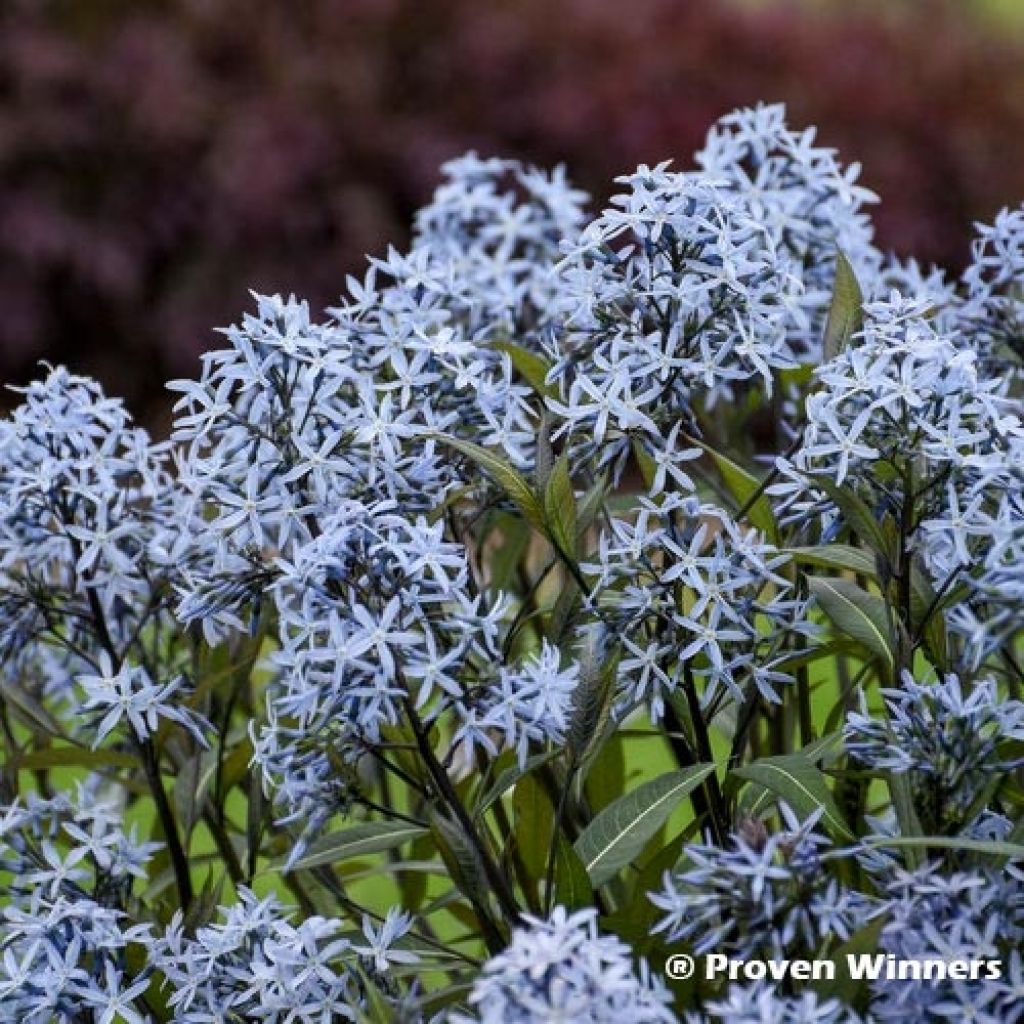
pixel 179 861
pixel 447 792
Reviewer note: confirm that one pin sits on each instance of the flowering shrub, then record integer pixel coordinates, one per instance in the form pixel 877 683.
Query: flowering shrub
pixel 581 589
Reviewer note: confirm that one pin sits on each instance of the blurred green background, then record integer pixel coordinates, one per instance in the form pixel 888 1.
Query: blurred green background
pixel 160 157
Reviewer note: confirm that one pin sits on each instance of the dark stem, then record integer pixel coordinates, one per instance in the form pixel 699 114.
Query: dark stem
pixel 446 790
pixel 179 862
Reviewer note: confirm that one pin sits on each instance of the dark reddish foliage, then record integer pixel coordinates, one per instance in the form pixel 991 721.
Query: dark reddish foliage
pixel 157 159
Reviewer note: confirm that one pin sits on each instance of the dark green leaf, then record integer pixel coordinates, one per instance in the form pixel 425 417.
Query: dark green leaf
pixel 511 481
pixel 990 847
pixel 743 486
pixel 503 561
pixel 590 508
pixel 846 312
pixel 837 556
pixel 927 616
pixel 460 857
pixel 572 885
pixel 618 834
pixel 857 614
pixel 560 508
pixel 509 777
pixel 534 825
pixel 369 837
pixel 863 942
pixel 72 757
pixel 530 366
pixel 794 779
pixel 858 517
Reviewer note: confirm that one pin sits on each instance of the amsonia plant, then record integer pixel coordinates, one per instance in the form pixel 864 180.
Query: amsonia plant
pixel 580 590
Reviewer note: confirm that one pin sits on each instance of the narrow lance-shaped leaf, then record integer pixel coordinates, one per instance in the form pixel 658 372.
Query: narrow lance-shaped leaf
pixel 619 833
pixel 530 366
pixel 460 857
pixel 534 821
pixel 511 481
pixel 743 485
pixel 836 556
pixel 794 779
pixel 926 609
pixel 857 614
pixel 572 885
pixel 858 517
pixel 846 312
pixel 560 508
pixel 370 837
pixel 989 847
pixel 590 507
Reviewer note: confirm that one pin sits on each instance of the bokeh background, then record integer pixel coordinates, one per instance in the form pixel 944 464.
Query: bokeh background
pixel 160 157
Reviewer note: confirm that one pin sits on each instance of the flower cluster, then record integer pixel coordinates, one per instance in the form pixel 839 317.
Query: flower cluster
pixel 254 963
pixel 673 295
pixel 66 931
pixel 951 742
pixel 496 226
pixel 961 916
pixel 687 589
pixel 907 420
pixel 760 1003
pixel 993 309
pixel 809 204
pixel 560 968
pixel 764 896
pixel 89 515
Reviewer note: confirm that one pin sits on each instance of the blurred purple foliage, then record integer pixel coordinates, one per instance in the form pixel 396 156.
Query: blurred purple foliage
pixel 159 158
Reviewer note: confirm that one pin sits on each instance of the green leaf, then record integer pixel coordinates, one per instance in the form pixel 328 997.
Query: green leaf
pixel 189 790
pixel 511 481
pixel 32 711
pixel 460 857
pixel 412 878
pixel 534 825
pixel 857 614
pixel 991 847
pixel 560 508
pixel 619 833
pixel 530 366
pixel 743 486
pixel 544 454
pixel 509 777
pixel 604 774
pixel 906 813
pixel 374 1007
pixel 834 647
pixel 204 907
pixel 927 616
pixel 503 561
pixel 369 837
pixel 572 884
pixel 858 517
pixel 591 704
pixel 256 811
pixel 795 779
pixel 432 1002
pixel 590 507
pixel 72 757
pixel 565 609
pixel 843 987
pixel 846 312
pixel 826 748
pixel 647 466
pixel 836 556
